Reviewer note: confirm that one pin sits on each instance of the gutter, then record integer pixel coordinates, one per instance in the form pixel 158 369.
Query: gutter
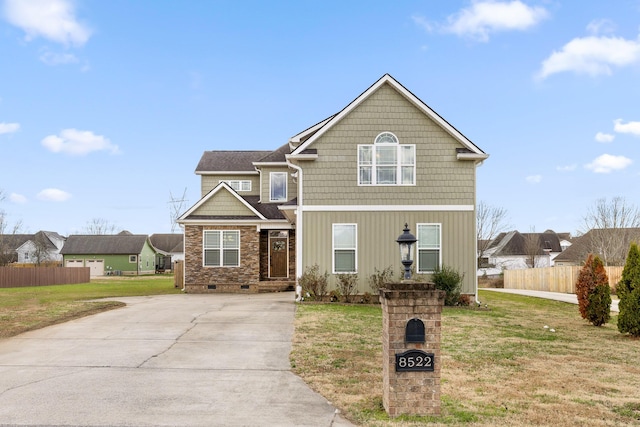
pixel 299 229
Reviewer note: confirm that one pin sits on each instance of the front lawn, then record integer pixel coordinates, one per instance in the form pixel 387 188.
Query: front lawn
pixel 500 366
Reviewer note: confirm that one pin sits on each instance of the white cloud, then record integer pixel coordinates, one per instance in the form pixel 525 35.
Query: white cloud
pixel 629 127
pixel 601 26
pixel 483 18
pixel 592 56
pixel 9 127
pixel 17 198
pixel 78 143
pixel 604 137
pixel 534 179
pixel 567 168
pixel 54 20
pixel 607 163
pixel 53 195
pixel 51 58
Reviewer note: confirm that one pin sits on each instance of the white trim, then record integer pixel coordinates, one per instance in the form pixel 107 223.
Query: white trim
pixel 386 208
pixel 226 173
pixel 333 249
pixel 286 186
pixel 221 249
pixel 399 165
pixel 183 218
pixel 404 92
pixel 417 253
pixel 295 140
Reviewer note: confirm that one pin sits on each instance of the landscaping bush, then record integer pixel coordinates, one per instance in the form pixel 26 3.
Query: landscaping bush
pixel 314 283
pixel 628 291
pixel 592 290
pixel 347 285
pixel 448 279
pixel 379 278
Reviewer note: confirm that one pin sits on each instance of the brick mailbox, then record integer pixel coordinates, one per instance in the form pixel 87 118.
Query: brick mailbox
pixel 411 313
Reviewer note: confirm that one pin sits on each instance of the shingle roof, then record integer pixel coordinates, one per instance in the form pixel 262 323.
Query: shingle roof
pixel 277 155
pixel 515 243
pixel 104 244
pixel 169 243
pixel 229 161
pixel 14 241
pixel 582 246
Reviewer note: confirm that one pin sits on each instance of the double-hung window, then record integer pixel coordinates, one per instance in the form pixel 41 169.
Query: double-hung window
pixel 221 248
pixel 344 248
pixel 386 162
pixel 429 248
pixel 278 186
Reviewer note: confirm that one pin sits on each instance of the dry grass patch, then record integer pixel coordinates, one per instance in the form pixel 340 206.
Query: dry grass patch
pixel 500 366
pixel 29 308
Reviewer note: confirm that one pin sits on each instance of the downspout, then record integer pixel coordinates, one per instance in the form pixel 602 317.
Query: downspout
pixel 298 232
pixel 475 228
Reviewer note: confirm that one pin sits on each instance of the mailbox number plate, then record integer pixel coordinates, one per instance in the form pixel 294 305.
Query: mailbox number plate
pixel 414 360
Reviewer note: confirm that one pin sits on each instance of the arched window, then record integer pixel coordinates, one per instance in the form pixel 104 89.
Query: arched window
pixel 386 162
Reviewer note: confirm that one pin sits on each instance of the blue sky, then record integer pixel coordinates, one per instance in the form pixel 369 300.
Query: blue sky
pixel 107 106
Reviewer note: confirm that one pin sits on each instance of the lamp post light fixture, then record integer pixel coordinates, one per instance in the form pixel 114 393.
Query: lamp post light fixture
pixel 406 241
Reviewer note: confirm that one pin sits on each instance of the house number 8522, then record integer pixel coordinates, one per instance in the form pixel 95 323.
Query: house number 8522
pixel 414 360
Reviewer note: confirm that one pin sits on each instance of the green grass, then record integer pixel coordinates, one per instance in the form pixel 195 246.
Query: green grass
pixel 25 309
pixel 500 366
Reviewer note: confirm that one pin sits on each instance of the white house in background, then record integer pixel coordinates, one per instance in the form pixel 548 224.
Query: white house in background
pixel 514 251
pixel 43 246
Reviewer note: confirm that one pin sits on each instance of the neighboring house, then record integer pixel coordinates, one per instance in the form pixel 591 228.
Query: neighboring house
pixel 169 248
pixel 124 253
pixel 514 250
pixel 43 246
pixel 611 245
pixel 338 195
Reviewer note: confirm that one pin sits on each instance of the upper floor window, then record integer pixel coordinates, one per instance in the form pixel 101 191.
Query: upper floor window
pixel 239 185
pixel 278 186
pixel 386 162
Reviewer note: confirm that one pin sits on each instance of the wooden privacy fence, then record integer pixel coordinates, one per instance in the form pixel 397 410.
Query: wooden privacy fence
pixel 552 279
pixel 178 274
pixel 42 276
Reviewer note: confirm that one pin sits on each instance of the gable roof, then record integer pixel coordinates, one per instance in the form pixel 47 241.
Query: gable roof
pixel 104 244
pixel 222 186
pixel 515 243
pixel 582 246
pixel 15 241
pixel 309 136
pixel 168 243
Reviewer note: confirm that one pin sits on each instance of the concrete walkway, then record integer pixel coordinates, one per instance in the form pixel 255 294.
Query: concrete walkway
pixel 173 360
pixel 557 296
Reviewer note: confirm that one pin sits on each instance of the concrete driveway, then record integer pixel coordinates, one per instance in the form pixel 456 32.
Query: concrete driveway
pixel 173 360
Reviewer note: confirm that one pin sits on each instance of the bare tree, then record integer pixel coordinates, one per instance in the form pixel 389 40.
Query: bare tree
pixel 490 221
pixel 532 248
pixel 99 226
pixel 7 236
pixel 611 225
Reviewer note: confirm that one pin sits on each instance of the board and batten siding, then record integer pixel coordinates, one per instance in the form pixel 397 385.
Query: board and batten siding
pixel 441 179
pixel 209 182
pixel 377 247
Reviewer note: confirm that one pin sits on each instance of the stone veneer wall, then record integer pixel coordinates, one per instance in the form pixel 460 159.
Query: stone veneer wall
pixel 414 392
pixel 200 279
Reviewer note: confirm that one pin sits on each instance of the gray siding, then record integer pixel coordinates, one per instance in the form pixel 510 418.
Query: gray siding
pixel 377 247
pixel 223 203
pixel 441 179
pixel 209 182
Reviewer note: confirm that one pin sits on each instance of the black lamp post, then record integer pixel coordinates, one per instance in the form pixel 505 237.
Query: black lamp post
pixel 406 241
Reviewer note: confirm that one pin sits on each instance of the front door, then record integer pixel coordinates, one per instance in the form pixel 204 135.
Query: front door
pixel 278 254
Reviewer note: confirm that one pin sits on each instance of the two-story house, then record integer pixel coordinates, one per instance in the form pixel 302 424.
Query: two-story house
pixel 337 195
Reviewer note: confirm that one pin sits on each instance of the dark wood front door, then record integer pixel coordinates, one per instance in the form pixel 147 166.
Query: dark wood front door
pixel 278 250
